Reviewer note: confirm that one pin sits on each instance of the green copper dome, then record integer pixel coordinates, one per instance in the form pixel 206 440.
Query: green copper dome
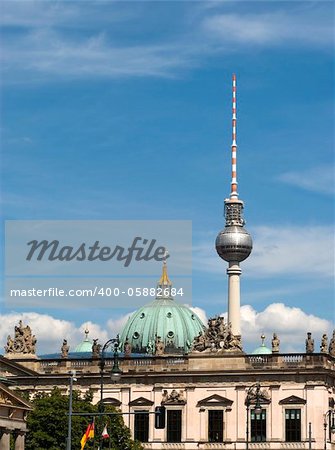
pixel 85 346
pixel 262 350
pixel 173 324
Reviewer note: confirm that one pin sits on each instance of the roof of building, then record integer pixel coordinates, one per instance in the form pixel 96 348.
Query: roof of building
pixel 174 324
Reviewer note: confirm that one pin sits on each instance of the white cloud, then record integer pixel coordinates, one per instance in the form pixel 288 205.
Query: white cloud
pixel 50 331
pixel 51 42
pixel 291 325
pixel 269 28
pixel 292 250
pixel 319 179
pixel 115 325
pixel 46 52
pixel 201 313
pixel 283 250
pixel 95 332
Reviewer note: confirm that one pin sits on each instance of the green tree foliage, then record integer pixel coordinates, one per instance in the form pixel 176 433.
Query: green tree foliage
pixel 47 424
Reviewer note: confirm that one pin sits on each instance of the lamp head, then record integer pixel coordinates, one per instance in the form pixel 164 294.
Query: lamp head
pixel 73 375
pixel 116 372
pixel 258 407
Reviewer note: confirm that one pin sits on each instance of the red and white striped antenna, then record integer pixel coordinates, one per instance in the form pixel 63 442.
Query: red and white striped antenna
pixel 234 194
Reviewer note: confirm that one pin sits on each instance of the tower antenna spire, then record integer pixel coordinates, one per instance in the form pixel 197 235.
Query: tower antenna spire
pixel 234 194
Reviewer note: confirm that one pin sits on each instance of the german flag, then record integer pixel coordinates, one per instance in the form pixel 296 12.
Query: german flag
pixel 89 434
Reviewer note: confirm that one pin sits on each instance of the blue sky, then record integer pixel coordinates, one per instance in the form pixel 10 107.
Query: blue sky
pixel 122 110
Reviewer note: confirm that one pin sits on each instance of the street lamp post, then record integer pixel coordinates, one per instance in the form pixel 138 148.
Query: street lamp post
pixel 253 393
pixel 115 373
pixel 329 417
pixel 72 379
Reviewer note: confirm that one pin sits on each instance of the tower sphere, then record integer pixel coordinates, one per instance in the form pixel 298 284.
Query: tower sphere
pixel 233 243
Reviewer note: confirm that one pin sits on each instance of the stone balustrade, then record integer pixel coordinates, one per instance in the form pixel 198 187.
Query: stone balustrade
pixel 190 363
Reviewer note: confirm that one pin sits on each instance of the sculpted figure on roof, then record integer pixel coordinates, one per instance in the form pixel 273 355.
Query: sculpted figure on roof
pixel 159 346
pixel 23 342
pixel 309 343
pixel 275 343
pixel 65 349
pixel 324 344
pixel 218 337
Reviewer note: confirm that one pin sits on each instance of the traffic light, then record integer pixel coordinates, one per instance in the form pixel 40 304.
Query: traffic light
pixel 160 417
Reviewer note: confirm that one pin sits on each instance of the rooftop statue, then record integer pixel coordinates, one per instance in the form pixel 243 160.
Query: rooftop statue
pixel 159 346
pixel 218 337
pixel 96 348
pixel 65 349
pixel 24 342
pixel 127 348
pixel 309 343
pixel 324 344
pixel 150 348
pixel 275 343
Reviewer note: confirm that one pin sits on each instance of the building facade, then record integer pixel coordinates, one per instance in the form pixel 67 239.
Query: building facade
pixel 215 395
pixel 205 396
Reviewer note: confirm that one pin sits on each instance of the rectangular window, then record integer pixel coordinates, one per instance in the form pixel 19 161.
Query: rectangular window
pixel 174 425
pixel 293 425
pixel 215 425
pixel 258 426
pixel 141 426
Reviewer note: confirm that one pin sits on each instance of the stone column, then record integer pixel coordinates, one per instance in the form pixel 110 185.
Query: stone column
pixel 4 439
pixel 19 441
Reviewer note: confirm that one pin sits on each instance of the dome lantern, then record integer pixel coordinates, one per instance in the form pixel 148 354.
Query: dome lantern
pixel 86 345
pixel 262 349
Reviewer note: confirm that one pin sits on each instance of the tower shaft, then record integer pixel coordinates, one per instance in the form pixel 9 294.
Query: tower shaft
pixel 234 243
pixel 234 301
pixel 233 216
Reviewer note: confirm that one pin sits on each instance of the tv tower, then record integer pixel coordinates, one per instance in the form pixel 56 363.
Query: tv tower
pixel 234 243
